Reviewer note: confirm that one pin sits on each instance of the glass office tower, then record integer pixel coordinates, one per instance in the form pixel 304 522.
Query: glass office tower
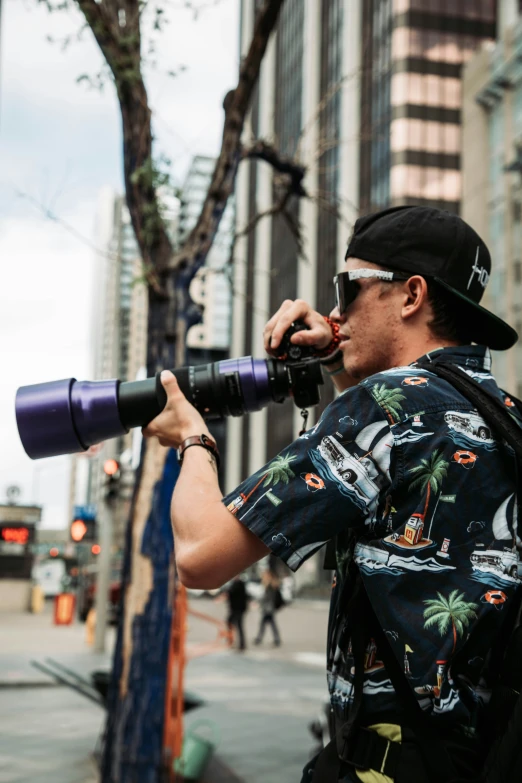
pixel 367 96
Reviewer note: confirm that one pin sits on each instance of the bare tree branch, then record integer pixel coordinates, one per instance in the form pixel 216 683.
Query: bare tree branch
pixel 116 28
pixel 262 150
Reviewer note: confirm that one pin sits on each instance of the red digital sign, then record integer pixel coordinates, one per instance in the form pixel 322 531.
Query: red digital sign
pixel 15 535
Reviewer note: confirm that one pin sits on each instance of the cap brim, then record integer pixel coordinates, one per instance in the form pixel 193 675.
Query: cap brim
pixel 485 327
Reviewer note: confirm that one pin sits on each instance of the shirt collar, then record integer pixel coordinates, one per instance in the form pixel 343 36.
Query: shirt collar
pixel 477 357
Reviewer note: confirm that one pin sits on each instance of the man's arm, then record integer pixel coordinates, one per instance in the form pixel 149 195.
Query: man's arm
pixel 211 545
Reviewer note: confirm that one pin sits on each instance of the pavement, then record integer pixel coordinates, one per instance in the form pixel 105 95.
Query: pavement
pixel 257 704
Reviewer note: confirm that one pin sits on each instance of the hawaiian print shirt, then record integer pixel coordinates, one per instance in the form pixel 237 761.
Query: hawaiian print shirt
pixel 403 466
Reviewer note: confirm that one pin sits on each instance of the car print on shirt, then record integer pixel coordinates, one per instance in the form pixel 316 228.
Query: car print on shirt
pixel 470 424
pixel 355 476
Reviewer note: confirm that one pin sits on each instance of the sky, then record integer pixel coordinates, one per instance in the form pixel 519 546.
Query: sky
pixel 60 144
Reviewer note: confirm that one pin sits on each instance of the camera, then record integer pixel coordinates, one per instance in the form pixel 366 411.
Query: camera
pixel 69 416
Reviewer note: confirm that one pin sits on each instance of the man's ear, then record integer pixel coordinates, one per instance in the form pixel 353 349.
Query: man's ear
pixel 415 296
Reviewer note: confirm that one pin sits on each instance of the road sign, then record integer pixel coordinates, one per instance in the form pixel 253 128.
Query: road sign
pixel 85 512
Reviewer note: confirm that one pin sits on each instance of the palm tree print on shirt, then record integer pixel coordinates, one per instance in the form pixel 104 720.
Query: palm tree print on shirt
pixel 449 612
pixel 429 475
pixel 390 400
pixel 278 470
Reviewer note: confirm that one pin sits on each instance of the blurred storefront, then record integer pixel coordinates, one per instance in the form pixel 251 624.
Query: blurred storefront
pixel 17 536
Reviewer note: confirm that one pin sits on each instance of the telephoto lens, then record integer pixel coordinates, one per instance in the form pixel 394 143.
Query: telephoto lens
pixel 69 416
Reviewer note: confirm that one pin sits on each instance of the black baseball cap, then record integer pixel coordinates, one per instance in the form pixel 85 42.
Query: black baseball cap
pixel 440 246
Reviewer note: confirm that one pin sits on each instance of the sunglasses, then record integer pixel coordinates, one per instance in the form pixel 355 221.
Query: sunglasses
pixel 347 284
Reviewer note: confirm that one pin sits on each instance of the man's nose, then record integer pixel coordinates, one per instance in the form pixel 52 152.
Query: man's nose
pixel 336 316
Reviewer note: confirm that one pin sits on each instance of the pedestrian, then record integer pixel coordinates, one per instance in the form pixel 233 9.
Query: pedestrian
pixel 268 604
pixel 237 599
pixel 416 494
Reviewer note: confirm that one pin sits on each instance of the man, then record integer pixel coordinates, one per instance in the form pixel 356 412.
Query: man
pixel 237 599
pixel 268 607
pixel 410 484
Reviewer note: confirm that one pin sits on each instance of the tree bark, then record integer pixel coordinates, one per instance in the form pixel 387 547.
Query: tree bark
pixel 134 732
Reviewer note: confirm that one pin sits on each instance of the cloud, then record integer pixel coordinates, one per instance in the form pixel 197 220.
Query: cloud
pixel 45 326
pixel 60 144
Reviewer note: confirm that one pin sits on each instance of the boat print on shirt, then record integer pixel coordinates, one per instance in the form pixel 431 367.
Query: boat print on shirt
pixel 499 563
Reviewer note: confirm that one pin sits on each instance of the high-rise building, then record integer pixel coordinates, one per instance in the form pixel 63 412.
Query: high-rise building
pixel 492 173
pixel 119 328
pixel 211 287
pixel 367 96
pixel 412 57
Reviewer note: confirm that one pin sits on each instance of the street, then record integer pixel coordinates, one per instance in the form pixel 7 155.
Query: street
pixel 259 702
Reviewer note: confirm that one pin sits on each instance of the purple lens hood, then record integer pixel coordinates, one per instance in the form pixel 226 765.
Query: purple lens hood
pixel 253 377
pixel 65 417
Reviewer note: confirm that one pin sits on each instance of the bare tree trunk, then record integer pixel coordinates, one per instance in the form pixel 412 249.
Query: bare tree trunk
pixel 134 730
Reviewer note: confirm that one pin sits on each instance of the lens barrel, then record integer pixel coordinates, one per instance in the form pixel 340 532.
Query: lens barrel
pixel 68 416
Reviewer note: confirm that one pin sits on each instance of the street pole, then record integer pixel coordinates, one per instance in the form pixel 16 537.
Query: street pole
pixel 104 570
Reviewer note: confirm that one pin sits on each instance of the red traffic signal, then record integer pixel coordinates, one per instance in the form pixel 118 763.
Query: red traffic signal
pixel 111 467
pixel 78 530
pixel 96 549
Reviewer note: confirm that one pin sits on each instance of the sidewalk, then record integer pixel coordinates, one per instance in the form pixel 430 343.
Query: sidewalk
pixel 261 701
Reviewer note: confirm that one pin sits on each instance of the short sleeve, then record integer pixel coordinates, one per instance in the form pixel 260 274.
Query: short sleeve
pixel 329 479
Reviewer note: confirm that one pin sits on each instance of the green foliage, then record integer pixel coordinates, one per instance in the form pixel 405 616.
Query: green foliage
pixel 96 81
pixel 154 176
pixel 152 21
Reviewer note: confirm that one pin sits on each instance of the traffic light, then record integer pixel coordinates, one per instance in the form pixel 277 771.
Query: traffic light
pixel 111 468
pixel 78 530
pixel 95 549
pixel 82 530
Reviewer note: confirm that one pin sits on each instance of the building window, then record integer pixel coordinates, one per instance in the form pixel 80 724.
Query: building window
pixel 425 135
pixel 426 90
pixel 425 182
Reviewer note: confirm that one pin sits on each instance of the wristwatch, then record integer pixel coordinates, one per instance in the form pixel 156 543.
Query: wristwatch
pixel 199 440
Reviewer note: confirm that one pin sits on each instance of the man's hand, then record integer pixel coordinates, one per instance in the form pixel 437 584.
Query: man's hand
pixel 318 334
pixel 178 420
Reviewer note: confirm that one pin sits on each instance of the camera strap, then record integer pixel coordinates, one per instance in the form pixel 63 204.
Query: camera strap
pixel 304 414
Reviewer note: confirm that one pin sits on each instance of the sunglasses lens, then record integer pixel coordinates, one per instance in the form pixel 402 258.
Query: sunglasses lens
pixel 346 291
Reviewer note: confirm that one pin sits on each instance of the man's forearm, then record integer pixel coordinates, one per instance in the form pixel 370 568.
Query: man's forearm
pixel 211 546
pixel 197 490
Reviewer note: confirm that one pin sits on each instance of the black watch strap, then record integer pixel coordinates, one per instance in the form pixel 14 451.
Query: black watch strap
pixel 200 440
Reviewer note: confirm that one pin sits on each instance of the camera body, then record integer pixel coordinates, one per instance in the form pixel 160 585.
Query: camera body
pixel 303 368
pixel 69 416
